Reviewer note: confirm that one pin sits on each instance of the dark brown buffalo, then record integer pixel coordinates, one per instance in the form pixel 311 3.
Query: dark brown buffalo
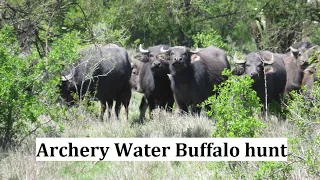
pixel 153 81
pixel 194 74
pixel 134 80
pixel 261 66
pixel 302 65
pixel 104 72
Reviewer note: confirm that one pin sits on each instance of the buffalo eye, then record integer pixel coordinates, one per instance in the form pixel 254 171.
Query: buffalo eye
pixel 151 55
pixel 300 54
pixel 171 53
pixel 134 72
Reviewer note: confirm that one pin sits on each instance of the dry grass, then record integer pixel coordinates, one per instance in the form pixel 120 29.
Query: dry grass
pixel 21 164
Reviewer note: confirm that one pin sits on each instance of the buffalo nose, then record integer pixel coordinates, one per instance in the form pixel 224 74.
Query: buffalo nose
pixel 178 59
pixel 253 74
pixel 156 64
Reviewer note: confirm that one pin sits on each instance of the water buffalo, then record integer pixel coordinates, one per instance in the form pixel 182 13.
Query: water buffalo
pixel 301 64
pixel 261 66
pixel 194 74
pixel 134 81
pixel 104 72
pixel 153 81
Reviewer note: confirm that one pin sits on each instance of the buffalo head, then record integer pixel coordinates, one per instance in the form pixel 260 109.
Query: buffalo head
pixel 67 88
pixel 180 57
pixel 305 56
pixel 256 64
pixel 158 61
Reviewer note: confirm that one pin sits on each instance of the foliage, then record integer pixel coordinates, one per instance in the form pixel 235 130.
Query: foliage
pixel 209 38
pixel 304 110
pixel 18 105
pixel 235 108
pixel 52 31
pixel 304 114
pixel 106 34
pixel 265 24
pixel 315 37
pixel 273 170
pixel 28 86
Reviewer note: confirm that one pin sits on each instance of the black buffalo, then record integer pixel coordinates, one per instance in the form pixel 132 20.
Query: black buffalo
pixel 194 74
pixel 265 68
pixel 103 71
pixel 152 80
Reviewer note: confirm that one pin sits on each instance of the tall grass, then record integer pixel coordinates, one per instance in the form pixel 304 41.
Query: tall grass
pixel 20 163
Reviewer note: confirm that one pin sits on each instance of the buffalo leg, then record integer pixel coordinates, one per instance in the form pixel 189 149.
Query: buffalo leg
pixel 117 108
pixel 183 108
pixel 162 104
pixel 110 104
pixel 143 107
pixel 152 106
pixel 195 109
pixel 126 101
pixel 126 107
pixel 170 104
pixel 103 109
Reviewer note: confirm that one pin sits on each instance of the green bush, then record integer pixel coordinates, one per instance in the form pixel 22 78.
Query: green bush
pixel 29 87
pixel 235 108
pixel 107 34
pixel 273 170
pixel 17 103
pixel 303 112
pixel 207 38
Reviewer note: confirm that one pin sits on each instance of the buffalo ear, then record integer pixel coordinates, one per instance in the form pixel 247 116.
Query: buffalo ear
pixel 138 57
pixel 268 69
pixel 194 58
pixel 142 58
pixel 238 71
pixel 310 70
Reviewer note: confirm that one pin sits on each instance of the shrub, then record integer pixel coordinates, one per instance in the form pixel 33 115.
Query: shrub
pixel 273 170
pixel 28 89
pixel 235 107
pixel 107 34
pixel 207 38
pixel 303 112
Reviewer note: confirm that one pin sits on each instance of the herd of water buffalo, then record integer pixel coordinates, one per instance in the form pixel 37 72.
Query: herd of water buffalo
pixel 165 75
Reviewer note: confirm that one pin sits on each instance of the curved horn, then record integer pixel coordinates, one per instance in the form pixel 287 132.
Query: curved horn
pixel 293 49
pixel 195 51
pixel 271 61
pixel 142 50
pixel 237 61
pixel 313 47
pixel 67 77
pixel 163 50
